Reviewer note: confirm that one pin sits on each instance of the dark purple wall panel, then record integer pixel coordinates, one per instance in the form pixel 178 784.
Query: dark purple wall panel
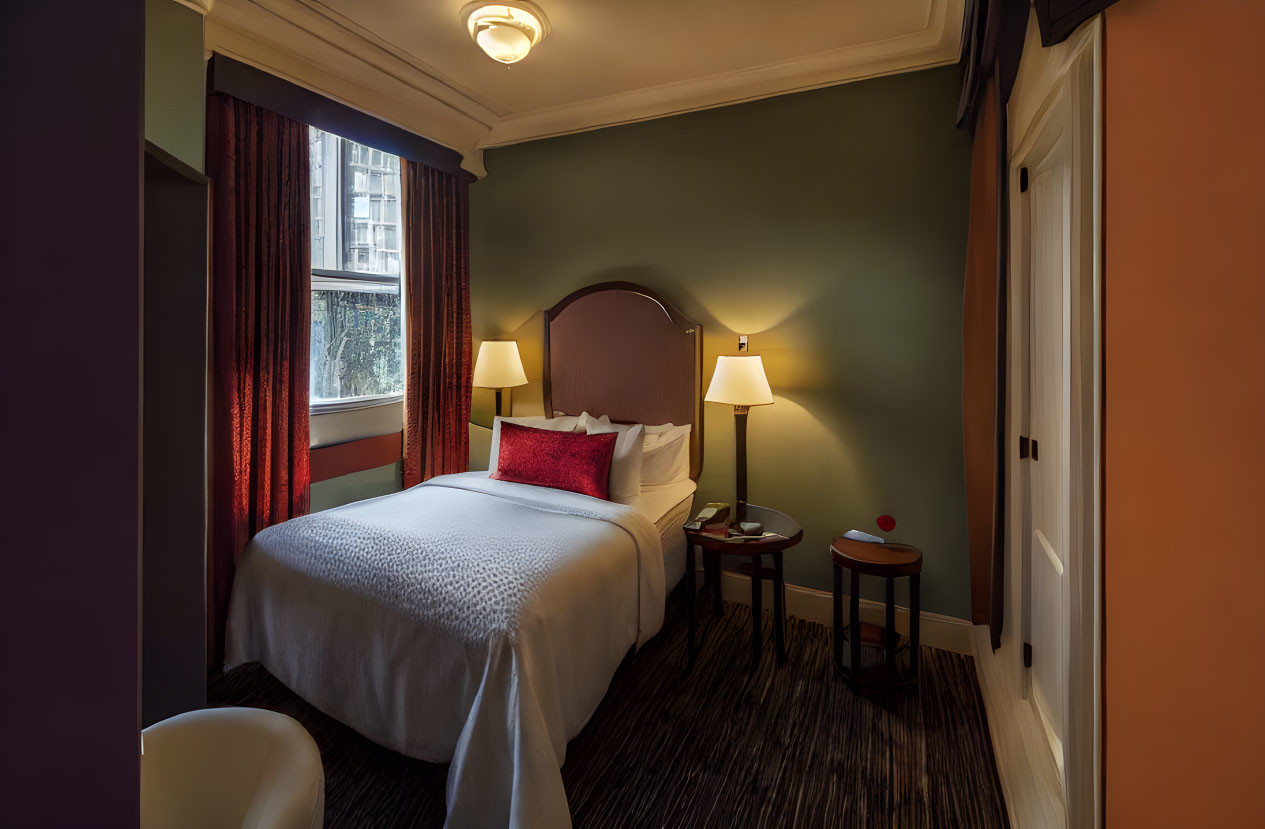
pixel 70 287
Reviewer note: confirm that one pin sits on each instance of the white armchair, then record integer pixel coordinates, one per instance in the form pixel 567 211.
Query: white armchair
pixel 231 767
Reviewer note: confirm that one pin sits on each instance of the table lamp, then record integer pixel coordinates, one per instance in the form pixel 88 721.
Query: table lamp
pixel 740 381
pixel 499 367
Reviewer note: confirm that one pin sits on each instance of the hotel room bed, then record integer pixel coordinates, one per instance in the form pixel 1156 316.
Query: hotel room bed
pixel 466 620
pixel 478 621
pixel 668 508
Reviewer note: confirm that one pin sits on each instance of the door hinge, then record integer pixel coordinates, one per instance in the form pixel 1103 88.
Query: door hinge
pixel 1023 179
pixel 1027 655
pixel 1027 448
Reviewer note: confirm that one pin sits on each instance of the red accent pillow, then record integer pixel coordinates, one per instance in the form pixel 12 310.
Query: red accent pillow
pixel 561 460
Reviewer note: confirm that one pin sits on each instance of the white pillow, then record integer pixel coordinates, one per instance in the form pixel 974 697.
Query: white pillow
pixel 659 435
pixel 625 480
pixel 665 451
pixel 556 424
pixel 665 455
pixel 604 420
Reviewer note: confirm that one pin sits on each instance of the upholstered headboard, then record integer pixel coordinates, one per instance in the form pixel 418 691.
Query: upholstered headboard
pixel 621 350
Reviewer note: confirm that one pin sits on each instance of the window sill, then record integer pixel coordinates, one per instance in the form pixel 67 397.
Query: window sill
pixel 353 403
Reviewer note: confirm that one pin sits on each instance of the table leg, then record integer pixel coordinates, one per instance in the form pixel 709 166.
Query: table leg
pixel 779 608
pixel 691 598
pixel 838 614
pixel 915 616
pixel 757 612
pixel 889 622
pixel 715 579
pixel 854 626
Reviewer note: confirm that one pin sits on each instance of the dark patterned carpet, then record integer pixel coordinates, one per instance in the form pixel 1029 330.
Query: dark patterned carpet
pixel 789 746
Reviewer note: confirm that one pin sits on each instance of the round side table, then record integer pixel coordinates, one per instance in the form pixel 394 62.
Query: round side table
pixel 887 561
pixel 751 560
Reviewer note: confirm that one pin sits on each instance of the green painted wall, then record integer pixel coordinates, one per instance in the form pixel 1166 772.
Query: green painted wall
pixel 368 483
pixel 175 80
pixel 830 226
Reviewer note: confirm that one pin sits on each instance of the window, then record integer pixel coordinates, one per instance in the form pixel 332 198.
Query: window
pixel 357 320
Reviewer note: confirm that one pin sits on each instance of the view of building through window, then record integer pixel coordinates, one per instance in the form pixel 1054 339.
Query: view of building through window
pixel 356 266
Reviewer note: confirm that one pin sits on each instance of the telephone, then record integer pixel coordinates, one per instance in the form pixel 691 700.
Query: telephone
pixel 710 515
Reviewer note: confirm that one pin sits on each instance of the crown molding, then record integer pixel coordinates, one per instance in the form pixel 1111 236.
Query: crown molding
pixel 481 108
pixel 202 7
pixel 294 41
pixel 311 45
pixel 936 44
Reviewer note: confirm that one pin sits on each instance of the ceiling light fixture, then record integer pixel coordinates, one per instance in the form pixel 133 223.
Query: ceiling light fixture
pixel 505 31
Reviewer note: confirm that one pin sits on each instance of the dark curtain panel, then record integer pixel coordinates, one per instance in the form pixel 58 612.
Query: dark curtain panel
pixel 979 354
pixel 437 312
pixel 997 573
pixel 992 44
pixel 1059 18
pixel 261 307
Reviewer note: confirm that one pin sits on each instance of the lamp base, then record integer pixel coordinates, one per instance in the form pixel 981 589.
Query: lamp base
pixel 507 394
pixel 740 461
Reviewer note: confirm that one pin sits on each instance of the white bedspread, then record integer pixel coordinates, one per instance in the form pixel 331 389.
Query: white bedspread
pixel 465 620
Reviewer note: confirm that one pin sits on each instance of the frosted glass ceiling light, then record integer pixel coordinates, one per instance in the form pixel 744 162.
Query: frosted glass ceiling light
pixel 505 31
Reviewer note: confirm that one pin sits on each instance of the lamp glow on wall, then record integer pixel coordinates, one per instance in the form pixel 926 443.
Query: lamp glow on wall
pixel 740 382
pixel 506 31
pixel 499 367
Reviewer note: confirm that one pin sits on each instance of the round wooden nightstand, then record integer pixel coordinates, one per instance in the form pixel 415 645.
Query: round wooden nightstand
pixel 750 556
pixel 887 561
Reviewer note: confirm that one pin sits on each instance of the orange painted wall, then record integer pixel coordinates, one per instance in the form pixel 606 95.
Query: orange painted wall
pixel 1184 351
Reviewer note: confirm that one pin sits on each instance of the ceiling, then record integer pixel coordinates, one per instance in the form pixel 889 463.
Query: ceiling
pixel 605 47
pixel 605 61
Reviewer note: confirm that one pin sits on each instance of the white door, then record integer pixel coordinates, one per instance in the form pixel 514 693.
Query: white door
pixel 1048 217
pixel 1054 399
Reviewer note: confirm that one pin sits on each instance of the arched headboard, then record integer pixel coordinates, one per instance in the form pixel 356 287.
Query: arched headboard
pixel 621 350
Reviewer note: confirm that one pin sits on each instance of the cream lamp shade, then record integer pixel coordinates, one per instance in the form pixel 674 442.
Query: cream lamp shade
pixel 739 381
pixel 498 365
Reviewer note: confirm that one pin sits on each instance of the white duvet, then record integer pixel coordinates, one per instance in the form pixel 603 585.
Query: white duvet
pixel 465 620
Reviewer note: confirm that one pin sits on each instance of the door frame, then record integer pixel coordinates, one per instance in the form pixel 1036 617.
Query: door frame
pixel 1070 92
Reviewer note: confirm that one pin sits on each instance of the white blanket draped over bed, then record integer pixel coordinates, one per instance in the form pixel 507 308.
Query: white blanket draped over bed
pixel 465 620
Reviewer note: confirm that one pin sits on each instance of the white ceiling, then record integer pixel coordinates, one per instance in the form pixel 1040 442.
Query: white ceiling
pixel 605 47
pixel 605 62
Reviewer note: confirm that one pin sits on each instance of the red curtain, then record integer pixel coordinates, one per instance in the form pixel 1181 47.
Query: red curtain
pixel 261 308
pixel 437 323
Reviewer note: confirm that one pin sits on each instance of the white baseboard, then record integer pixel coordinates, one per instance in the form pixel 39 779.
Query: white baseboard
pixel 936 631
pixel 1029 776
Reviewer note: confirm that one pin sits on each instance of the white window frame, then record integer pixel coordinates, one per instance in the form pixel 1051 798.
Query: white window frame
pixel 356 279
pixel 353 281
